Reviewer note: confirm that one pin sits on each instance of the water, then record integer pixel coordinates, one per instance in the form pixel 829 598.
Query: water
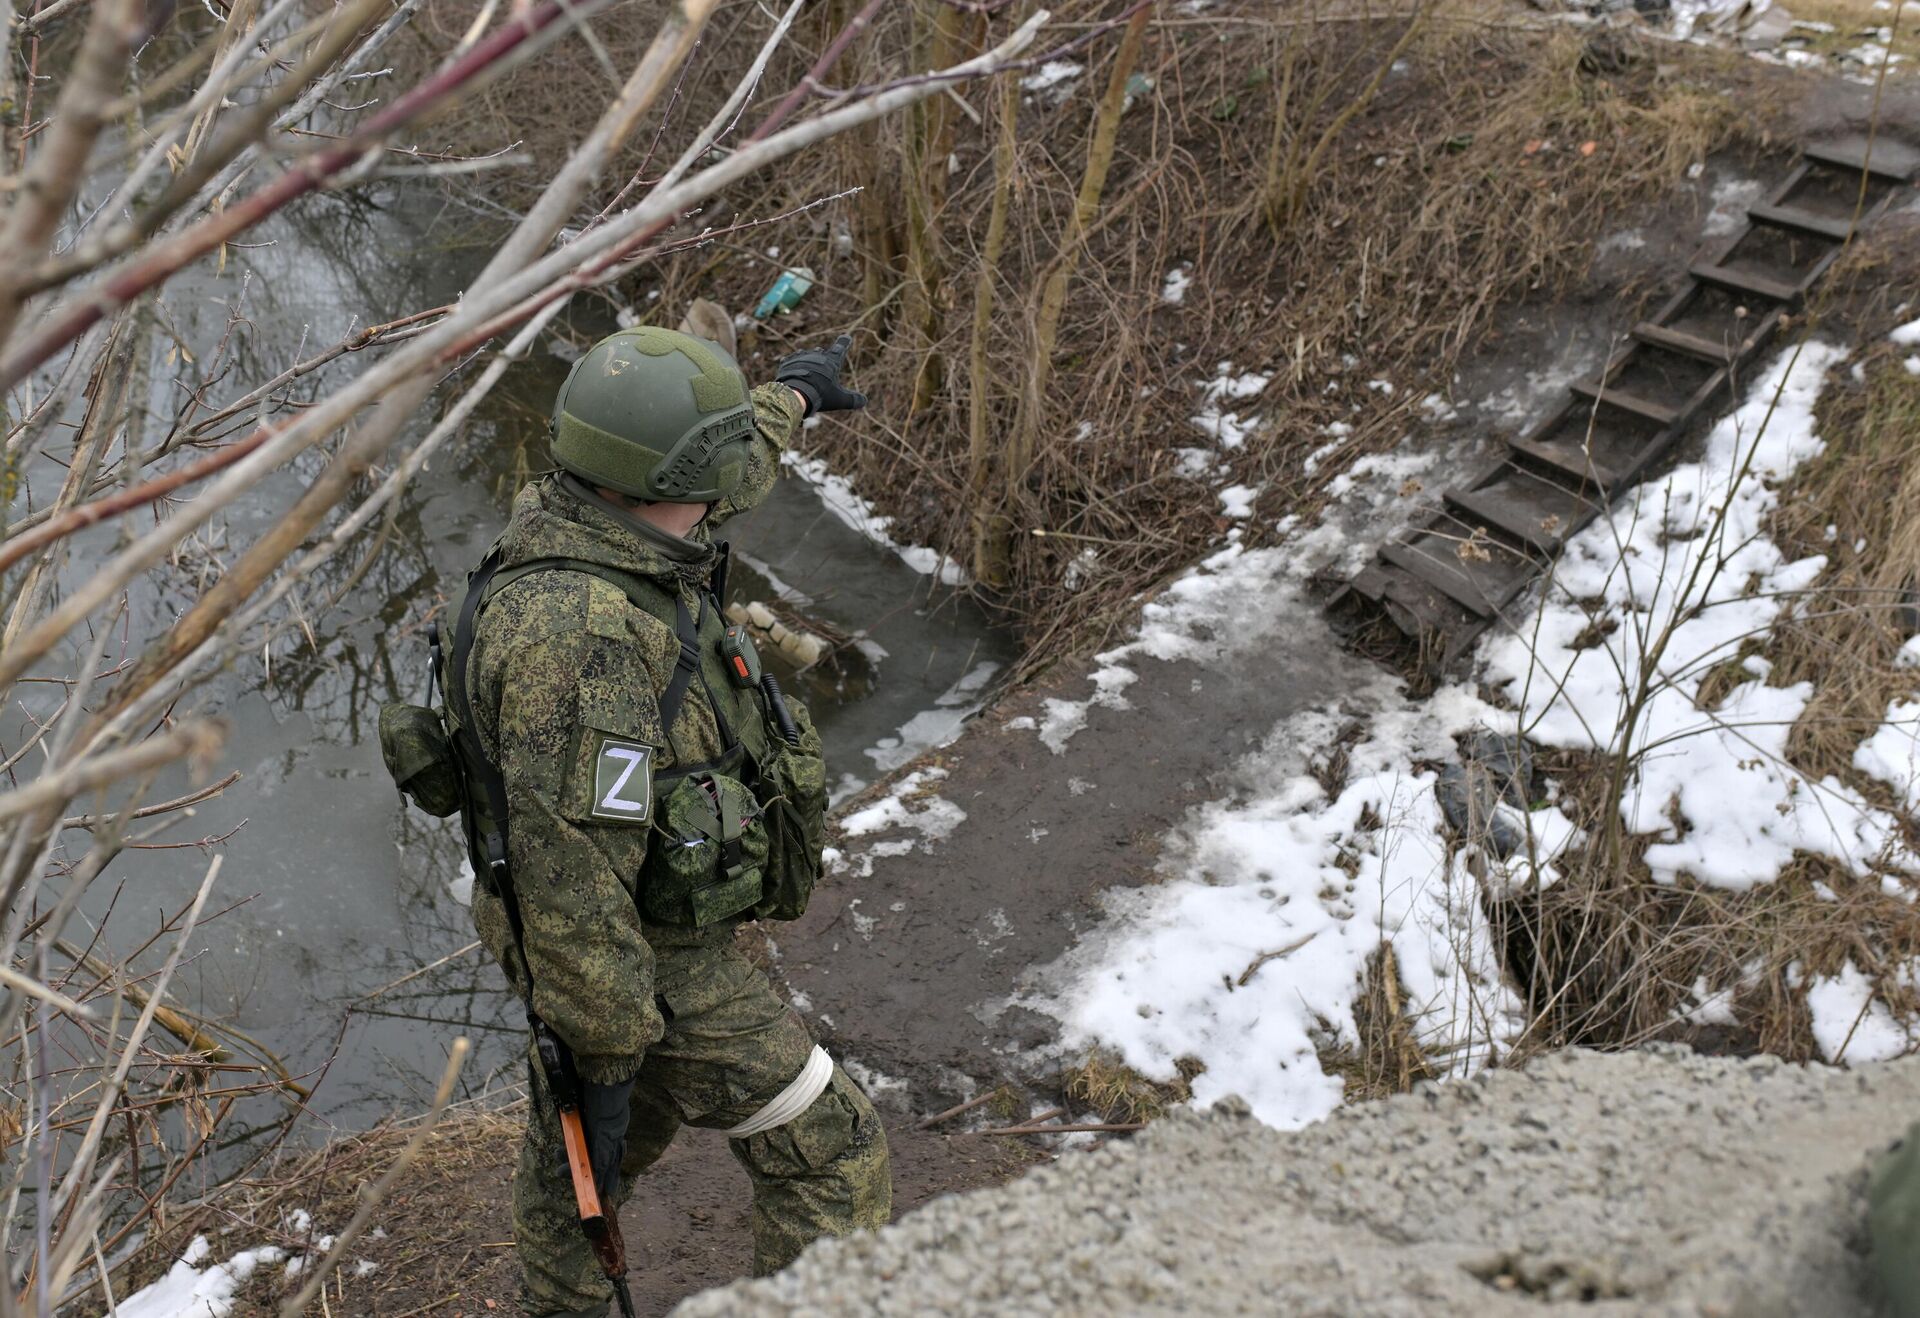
pixel 347 889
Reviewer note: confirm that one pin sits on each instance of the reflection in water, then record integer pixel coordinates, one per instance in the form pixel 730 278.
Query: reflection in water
pixel 350 890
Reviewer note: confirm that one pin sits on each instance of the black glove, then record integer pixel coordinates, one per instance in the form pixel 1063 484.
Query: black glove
pixel 814 373
pixel 603 1114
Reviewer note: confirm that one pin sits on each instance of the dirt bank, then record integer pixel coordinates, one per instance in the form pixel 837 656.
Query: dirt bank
pixel 1648 1183
pixel 442 1243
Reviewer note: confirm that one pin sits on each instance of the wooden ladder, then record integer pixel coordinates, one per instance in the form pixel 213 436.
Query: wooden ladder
pixel 1443 581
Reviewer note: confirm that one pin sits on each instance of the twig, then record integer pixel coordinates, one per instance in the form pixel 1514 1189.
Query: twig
pixel 161 808
pixel 199 739
pixel 169 1019
pixel 1265 957
pixel 33 988
pixel 958 1110
pixel 1078 1128
pixel 415 974
pixel 429 1308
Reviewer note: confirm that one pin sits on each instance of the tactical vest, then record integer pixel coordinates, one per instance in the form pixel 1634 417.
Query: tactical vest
pixel 736 837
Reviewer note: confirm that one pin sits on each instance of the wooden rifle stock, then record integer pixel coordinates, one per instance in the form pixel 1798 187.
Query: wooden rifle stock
pixel 600 1226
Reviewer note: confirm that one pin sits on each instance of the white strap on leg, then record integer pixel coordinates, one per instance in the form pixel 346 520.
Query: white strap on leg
pixel 791 1101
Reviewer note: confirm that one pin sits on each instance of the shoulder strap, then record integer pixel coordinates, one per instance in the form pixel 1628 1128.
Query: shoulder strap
pixel 493 838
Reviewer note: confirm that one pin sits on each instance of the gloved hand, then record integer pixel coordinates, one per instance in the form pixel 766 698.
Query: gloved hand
pixel 603 1115
pixel 814 373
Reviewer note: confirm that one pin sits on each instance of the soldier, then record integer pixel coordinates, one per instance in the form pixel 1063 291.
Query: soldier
pixel 658 791
pixel 1893 1223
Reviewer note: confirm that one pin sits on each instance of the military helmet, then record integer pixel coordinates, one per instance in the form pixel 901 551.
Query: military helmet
pixel 656 415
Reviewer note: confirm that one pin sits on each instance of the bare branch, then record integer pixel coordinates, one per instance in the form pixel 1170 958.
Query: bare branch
pixel 199 739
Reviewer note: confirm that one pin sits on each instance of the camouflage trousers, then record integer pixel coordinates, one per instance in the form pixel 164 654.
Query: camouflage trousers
pixel 730 1046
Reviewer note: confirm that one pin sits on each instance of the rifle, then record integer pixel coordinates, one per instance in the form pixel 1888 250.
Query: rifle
pixel 601 1228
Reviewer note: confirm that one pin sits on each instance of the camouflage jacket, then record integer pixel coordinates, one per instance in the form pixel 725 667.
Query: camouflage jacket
pixel 561 662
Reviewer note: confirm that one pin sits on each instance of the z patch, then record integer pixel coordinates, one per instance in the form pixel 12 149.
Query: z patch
pixel 622 781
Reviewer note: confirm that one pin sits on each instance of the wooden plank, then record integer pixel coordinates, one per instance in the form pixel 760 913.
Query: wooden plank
pixel 1658 413
pixel 1449 580
pixel 1883 158
pixel 1741 281
pixel 1526 518
pixel 1801 221
pixel 1409 600
pixel 1573 464
pixel 1687 345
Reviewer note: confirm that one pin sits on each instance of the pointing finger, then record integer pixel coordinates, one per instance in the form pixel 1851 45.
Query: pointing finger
pixel 840 347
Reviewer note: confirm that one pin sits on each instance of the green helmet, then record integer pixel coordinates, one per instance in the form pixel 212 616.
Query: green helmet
pixel 656 415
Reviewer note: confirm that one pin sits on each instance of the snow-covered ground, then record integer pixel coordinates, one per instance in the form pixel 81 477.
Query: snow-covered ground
pixel 197 1287
pixel 1253 950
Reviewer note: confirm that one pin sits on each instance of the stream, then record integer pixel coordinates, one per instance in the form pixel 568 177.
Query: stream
pixel 346 889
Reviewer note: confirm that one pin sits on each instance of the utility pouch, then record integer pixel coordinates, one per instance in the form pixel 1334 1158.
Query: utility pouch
pixel 413 742
pixel 793 796
pixel 708 855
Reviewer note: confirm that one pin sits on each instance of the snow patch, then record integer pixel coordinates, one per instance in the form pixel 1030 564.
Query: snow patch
pixel 1056 76
pixel 936 727
pixel 877 1084
pixel 1892 753
pixel 910 808
pixel 190 1290
pixel 1236 501
pixel 1230 429
pixel 1234 598
pixel 1849 1023
pixel 1731 198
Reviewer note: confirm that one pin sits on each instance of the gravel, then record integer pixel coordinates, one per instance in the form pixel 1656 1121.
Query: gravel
pixel 1652 1182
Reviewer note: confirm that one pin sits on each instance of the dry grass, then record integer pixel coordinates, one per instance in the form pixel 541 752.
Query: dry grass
pixel 1858 505
pixel 1614 960
pixel 1477 142
pixel 1389 1059
pixel 1117 1092
pixel 310 1193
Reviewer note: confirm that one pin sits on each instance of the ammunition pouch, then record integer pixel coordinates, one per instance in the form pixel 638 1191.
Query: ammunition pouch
pixel 707 858
pixel 419 755
pixel 793 797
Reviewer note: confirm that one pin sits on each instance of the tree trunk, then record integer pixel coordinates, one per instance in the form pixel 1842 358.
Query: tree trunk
pixel 924 185
pixel 1053 297
pixel 991 530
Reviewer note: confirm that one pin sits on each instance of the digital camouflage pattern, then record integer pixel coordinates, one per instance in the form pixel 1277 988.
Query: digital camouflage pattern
pixel 730 1046
pixel 1893 1221
pixel 566 673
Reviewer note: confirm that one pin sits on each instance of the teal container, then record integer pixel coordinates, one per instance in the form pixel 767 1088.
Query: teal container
pixel 787 290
